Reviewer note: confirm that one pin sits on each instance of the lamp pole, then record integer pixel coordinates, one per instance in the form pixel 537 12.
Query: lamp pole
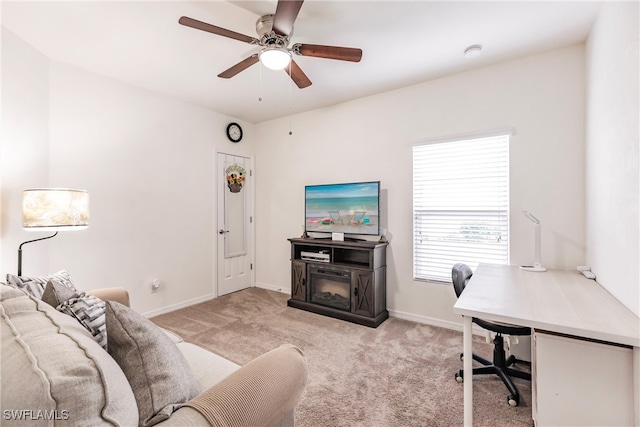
pixel 24 243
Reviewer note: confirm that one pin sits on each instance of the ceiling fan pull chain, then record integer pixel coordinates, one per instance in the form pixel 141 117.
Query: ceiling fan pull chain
pixel 260 88
pixel 290 83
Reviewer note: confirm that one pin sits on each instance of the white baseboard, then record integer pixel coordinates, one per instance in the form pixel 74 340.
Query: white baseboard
pixel 434 322
pixel 284 290
pixel 426 320
pixel 173 307
pixel 287 290
pixel 208 297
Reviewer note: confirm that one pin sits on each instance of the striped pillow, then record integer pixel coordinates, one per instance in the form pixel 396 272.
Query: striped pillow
pixel 89 311
pixel 34 286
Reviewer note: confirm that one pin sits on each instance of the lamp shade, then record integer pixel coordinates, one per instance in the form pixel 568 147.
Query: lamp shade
pixel 275 58
pixel 55 209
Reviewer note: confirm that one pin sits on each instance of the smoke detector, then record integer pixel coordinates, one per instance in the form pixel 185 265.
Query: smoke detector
pixel 473 51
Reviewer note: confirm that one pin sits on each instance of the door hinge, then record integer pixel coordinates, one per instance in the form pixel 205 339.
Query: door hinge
pixel 250 220
pixel 250 172
pixel 251 266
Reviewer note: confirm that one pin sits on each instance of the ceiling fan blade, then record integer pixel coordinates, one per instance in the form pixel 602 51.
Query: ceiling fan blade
pixel 240 66
pixel 199 25
pixel 296 74
pixel 285 16
pixel 329 52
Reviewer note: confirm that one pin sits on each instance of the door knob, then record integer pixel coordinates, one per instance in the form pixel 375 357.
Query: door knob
pixel 221 231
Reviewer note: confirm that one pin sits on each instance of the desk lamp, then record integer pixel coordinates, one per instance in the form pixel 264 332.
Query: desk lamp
pixel 536 265
pixel 53 209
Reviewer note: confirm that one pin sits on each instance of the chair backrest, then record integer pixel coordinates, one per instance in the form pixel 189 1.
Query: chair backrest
pixel 460 275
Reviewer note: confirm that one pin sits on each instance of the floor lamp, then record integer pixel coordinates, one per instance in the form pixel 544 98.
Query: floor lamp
pixel 53 209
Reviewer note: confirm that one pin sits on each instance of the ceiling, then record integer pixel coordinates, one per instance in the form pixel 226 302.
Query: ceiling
pixel 403 43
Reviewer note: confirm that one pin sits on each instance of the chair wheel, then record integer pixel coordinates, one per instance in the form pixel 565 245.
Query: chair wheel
pixel 513 400
pixel 459 377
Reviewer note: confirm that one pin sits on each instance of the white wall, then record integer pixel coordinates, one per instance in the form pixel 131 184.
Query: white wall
pixel 612 158
pixel 23 149
pixel 541 96
pixel 148 163
pixel 147 157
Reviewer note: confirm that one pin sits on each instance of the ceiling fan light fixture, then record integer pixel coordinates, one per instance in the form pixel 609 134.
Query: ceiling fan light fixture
pixel 275 58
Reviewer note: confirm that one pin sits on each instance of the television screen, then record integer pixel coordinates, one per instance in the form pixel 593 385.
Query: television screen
pixel 352 208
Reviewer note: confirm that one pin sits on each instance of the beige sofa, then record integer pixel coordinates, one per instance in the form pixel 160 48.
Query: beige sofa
pixel 54 373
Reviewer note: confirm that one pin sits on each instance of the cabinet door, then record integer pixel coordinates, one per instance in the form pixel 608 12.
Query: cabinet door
pixel 362 301
pixel 299 281
pixel 580 382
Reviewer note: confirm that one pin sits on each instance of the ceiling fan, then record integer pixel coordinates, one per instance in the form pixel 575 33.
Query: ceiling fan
pixel 275 32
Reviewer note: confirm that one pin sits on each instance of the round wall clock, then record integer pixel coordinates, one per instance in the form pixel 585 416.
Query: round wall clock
pixel 234 132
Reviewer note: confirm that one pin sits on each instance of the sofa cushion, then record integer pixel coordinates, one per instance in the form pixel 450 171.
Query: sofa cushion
pixel 89 311
pixel 157 371
pixel 35 285
pixel 55 293
pixel 173 336
pixel 208 368
pixel 51 363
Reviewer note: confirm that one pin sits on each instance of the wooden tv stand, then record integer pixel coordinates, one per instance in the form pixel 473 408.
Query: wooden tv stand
pixel 345 280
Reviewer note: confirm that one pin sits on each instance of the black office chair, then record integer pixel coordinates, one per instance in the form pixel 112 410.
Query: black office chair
pixel 460 275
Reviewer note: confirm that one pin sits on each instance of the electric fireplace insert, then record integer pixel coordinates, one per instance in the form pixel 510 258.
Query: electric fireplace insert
pixel 331 287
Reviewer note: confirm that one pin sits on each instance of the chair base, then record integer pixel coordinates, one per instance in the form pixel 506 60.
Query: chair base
pixel 499 367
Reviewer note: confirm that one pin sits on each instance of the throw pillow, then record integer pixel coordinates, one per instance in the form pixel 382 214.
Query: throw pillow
pixel 89 311
pixel 51 365
pixel 158 373
pixel 55 293
pixel 34 286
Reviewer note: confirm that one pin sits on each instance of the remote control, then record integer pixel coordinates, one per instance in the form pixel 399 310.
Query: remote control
pixel 588 274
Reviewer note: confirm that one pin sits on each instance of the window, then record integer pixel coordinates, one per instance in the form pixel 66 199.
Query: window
pixel 460 204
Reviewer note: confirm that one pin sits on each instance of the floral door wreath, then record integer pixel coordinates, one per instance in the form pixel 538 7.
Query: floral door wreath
pixel 236 176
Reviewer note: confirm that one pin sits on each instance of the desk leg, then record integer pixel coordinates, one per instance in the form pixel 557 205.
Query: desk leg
pixel 468 371
pixel 636 384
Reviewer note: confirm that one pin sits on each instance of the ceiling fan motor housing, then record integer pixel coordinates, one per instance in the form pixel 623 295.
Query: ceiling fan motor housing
pixel 264 25
pixel 268 37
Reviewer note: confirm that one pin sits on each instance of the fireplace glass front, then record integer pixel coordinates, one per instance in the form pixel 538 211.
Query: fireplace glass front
pixel 331 287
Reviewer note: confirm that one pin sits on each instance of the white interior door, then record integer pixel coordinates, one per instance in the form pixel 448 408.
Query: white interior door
pixel 235 220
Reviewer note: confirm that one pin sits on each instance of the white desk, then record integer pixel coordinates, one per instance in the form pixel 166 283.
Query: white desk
pixel 557 301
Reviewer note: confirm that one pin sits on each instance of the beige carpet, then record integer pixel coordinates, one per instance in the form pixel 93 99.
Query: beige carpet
pixel 399 374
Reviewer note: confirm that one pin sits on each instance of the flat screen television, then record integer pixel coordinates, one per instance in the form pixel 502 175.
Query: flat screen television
pixel 350 208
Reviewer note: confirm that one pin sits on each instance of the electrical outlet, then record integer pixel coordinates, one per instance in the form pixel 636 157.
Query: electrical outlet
pixel 155 285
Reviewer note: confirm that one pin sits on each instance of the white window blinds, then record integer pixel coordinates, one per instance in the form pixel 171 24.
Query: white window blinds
pixel 460 205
